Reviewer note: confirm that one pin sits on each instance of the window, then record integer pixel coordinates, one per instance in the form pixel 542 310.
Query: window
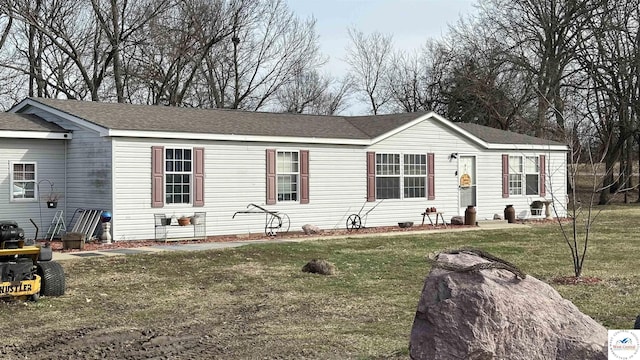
pixel 23 181
pixel 288 171
pixel 532 175
pixel 178 171
pixel 387 176
pixel 396 173
pixel 524 171
pixel 515 175
pixel 415 172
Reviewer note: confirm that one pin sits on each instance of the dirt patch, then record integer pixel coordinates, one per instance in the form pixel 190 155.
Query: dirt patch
pixel 572 280
pixel 97 245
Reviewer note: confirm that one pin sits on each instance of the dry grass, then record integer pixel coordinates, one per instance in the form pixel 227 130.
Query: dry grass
pixel 255 302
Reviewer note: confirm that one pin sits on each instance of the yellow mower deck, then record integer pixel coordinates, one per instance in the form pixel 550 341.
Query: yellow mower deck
pixel 20 289
pixel 32 251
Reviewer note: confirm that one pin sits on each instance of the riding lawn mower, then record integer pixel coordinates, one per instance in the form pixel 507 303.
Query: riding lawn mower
pixel 26 269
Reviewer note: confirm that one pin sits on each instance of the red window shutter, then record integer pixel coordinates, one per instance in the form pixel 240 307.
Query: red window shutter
pixel 431 177
pixel 505 175
pixel 304 176
pixel 271 176
pixel 198 176
pixel 371 176
pixel 157 176
pixel 543 177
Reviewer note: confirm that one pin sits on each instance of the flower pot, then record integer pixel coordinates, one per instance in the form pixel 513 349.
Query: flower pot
pixel 470 215
pixel 195 220
pixel 510 214
pixel 183 221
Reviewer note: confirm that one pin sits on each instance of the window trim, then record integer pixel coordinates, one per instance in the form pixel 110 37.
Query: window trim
pixel 12 181
pixel 191 176
pixel 402 176
pixel 298 175
pixel 524 159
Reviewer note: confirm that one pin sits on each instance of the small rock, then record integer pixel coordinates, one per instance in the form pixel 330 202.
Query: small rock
pixel 457 220
pixel 310 229
pixel 321 267
pixel 497 217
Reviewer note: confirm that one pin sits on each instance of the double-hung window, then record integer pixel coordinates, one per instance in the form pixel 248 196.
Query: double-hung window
pixel 524 175
pixel 388 176
pixel 401 176
pixel 178 174
pixel 532 175
pixel 288 172
pixel 515 175
pixel 23 181
pixel 415 175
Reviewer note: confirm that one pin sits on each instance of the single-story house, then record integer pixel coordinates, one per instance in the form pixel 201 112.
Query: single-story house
pixel 142 161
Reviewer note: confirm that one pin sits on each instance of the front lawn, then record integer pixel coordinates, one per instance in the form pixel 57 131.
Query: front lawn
pixel 254 302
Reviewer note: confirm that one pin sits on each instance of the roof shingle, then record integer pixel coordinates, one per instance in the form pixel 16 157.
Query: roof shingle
pixel 118 116
pixel 24 122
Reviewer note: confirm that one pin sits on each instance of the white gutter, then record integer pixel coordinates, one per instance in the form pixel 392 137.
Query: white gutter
pixel 23 134
pixel 233 137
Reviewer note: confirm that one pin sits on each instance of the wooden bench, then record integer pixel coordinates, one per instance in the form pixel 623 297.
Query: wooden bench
pixel 438 214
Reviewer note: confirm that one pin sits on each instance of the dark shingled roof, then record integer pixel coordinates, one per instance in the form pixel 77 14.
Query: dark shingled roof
pixel 376 125
pixel 214 121
pixel 117 116
pixel 24 122
pixel 497 136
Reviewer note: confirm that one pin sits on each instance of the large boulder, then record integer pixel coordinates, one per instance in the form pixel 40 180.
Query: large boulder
pixel 474 306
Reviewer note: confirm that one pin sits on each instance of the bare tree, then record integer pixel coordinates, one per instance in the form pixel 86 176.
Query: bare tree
pixel 63 30
pixel 266 49
pixel 311 93
pixel 171 56
pixel 542 36
pixel 120 20
pixel 369 60
pixel 610 58
pixel 416 81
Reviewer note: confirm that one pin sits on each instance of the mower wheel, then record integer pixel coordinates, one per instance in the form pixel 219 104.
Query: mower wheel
pixel 52 278
pixel 34 297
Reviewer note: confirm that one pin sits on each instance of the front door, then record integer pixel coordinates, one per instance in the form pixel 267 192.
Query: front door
pixel 466 182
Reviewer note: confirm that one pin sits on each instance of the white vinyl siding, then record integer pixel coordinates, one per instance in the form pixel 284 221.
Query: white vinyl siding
pixel 88 167
pixel 49 157
pixel 235 178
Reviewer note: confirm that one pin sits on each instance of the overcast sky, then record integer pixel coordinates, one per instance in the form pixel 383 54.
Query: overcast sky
pixel 410 22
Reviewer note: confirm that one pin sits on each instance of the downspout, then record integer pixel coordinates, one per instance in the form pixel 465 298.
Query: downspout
pixel 113 192
pixel 66 197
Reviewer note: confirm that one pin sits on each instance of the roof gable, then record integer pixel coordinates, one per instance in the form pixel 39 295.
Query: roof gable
pixel 29 126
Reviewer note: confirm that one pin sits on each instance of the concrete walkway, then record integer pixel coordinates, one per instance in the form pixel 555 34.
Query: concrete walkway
pixel 58 256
